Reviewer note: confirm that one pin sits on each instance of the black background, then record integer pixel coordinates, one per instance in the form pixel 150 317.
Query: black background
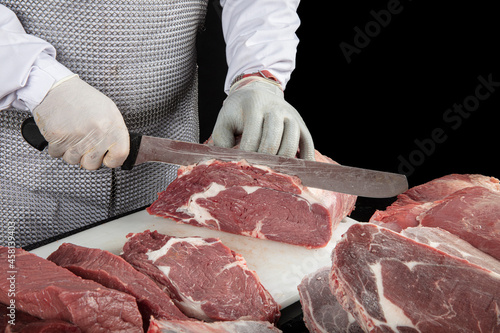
pixel 371 112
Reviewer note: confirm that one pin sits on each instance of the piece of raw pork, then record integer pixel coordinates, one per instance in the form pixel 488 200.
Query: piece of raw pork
pixel 254 201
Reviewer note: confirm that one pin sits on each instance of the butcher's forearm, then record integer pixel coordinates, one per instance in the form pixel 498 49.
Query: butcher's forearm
pixel 260 34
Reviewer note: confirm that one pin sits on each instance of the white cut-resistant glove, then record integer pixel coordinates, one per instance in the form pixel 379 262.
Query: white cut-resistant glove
pixel 82 125
pixel 255 108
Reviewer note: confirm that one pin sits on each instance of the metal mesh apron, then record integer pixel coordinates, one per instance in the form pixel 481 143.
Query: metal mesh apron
pixel 142 55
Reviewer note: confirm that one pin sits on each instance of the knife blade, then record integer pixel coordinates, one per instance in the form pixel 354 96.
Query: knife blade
pixel 332 177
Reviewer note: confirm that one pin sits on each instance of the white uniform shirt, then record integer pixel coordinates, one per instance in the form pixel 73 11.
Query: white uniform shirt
pixel 259 34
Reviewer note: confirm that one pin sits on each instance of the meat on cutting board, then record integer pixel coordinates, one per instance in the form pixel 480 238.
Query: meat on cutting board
pixel 322 312
pixel 114 272
pixel 45 290
pixel 204 278
pixel 255 201
pixel 465 205
pixel 391 283
pixel 238 326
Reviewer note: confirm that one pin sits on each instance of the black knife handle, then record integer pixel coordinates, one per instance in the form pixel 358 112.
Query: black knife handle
pixel 135 143
pixel 32 135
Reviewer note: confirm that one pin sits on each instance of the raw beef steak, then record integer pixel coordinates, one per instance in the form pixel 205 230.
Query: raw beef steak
pixel 404 212
pixel 21 322
pixel 238 326
pixel 465 205
pixel 255 201
pixel 472 214
pixel 47 291
pixel 322 312
pixel 447 242
pixel 114 272
pixel 391 283
pixel 204 278
pixel 442 187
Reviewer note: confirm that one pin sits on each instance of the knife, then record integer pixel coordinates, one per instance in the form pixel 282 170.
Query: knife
pixel 332 177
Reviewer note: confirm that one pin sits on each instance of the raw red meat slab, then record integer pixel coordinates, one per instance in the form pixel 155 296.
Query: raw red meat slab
pixel 442 187
pixel 204 278
pixel 472 214
pixel 465 205
pixel 390 282
pixel 447 242
pixel 322 312
pixel 25 323
pixel 238 326
pixel 47 291
pixel 114 272
pixel 404 212
pixel 253 201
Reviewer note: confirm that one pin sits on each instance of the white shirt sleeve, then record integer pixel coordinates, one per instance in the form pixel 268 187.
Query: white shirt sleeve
pixel 28 67
pixel 260 34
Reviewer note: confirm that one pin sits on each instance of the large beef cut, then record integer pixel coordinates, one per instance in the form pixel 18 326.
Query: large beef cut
pixel 47 291
pixel 15 321
pixel 453 245
pixel 255 201
pixel 465 205
pixel 114 272
pixel 204 278
pixel 238 326
pixel 322 312
pixel 392 283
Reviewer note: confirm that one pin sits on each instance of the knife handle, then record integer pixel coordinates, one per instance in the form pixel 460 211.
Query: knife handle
pixel 135 142
pixel 32 135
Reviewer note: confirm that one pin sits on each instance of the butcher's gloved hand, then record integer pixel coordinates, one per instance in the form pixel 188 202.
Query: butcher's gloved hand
pixel 256 109
pixel 82 125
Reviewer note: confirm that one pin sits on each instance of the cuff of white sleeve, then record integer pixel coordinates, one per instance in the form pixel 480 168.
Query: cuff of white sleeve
pixel 45 72
pixel 280 77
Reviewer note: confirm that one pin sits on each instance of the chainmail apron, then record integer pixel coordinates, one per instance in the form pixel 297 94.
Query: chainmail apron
pixel 142 55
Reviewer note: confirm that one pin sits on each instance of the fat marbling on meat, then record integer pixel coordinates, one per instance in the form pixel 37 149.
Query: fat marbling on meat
pixel 254 201
pixel 204 278
pixel 322 312
pixel 237 326
pixel 465 205
pixel 391 283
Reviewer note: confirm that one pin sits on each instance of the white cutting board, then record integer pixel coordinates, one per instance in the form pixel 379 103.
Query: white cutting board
pixel 279 266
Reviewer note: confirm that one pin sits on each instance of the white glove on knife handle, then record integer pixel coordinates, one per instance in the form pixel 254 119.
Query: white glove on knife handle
pixel 256 109
pixel 82 125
